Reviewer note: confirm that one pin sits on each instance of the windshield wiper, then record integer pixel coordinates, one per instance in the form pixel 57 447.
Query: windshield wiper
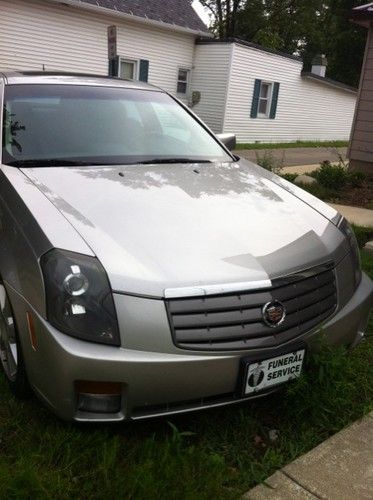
pixel 55 162
pixel 172 160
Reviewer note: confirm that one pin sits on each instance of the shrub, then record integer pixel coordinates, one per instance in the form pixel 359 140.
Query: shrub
pixel 289 177
pixel 363 234
pixel 332 176
pixel 320 191
pixel 355 179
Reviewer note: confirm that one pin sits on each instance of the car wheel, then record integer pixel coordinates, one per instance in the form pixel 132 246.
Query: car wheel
pixel 10 348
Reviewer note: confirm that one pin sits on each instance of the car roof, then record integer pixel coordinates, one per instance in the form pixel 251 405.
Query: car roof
pixel 62 78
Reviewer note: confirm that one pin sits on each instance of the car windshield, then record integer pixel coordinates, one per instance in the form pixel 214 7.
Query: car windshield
pixel 55 125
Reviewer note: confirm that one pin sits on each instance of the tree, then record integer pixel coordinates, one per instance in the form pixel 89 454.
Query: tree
pixel 224 14
pixel 302 27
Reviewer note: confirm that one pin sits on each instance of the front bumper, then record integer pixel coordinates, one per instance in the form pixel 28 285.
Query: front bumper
pixel 156 377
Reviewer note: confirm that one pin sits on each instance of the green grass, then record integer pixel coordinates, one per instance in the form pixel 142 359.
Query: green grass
pixel 212 454
pixel 297 144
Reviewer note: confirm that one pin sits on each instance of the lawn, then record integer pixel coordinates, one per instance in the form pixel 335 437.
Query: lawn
pixel 297 144
pixel 219 453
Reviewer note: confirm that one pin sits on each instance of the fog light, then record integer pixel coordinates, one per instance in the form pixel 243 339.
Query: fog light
pixel 99 397
pixel 99 403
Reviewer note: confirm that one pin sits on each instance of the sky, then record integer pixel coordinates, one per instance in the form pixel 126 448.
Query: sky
pixel 201 11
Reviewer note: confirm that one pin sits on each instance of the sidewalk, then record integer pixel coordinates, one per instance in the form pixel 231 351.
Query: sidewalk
pixel 340 468
pixel 355 215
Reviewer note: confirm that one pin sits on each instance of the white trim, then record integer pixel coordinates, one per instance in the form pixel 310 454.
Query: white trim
pixel 188 81
pixel 269 99
pixel 368 6
pixel 231 56
pixel 114 13
pixel 194 291
pixel 136 62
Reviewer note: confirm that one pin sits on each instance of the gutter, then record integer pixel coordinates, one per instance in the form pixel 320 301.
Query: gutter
pixel 329 82
pixel 130 17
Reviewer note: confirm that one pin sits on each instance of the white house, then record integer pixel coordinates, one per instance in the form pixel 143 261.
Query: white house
pixel 260 95
pixel 155 40
pixel 263 95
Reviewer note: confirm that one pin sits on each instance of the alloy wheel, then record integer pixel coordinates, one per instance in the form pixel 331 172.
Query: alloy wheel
pixel 8 340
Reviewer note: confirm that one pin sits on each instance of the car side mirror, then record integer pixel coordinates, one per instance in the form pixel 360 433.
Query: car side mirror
pixel 229 140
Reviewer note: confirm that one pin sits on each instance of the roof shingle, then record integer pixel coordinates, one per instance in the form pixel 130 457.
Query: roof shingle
pixel 175 12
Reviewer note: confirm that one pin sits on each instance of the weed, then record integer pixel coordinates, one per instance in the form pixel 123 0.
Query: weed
pixel 268 161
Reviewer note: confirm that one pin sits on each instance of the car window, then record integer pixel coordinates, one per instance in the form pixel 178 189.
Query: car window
pixel 100 125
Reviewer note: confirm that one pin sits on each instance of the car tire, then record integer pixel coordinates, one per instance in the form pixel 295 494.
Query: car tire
pixel 11 358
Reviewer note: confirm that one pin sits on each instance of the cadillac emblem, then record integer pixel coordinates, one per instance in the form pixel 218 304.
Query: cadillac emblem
pixel 273 313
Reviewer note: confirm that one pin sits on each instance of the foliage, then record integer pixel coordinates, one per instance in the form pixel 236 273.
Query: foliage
pixel 305 28
pixel 337 176
pixel 332 180
pixel 268 161
pixel 363 234
pixel 322 192
pixel 224 13
pixel 289 177
pixel 331 176
pixel 355 179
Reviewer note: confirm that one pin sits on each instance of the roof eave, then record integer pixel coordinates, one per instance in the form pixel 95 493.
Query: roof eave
pixel 362 15
pixel 250 45
pixel 329 82
pixel 130 17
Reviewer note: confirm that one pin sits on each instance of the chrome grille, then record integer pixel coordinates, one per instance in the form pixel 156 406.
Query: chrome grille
pixel 234 321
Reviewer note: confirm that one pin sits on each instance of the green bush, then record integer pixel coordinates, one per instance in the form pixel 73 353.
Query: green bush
pixel 331 176
pixel 289 177
pixel 320 191
pixel 355 179
pixel 363 234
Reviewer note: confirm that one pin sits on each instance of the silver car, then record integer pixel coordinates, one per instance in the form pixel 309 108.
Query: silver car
pixel 145 269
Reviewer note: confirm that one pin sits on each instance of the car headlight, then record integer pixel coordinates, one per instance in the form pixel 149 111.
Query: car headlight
pixel 79 298
pixel 347 230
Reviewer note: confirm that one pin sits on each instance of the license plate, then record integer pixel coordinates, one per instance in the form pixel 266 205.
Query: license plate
pixel 273 371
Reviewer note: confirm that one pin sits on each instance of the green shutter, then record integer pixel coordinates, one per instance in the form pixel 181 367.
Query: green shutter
pixel 114 66
pixel 255 102
pixel 144 70
pixel 276 88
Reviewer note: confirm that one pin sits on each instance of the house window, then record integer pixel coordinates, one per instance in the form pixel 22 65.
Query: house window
pixel 128 69
pixel 265 99
pixel 183 81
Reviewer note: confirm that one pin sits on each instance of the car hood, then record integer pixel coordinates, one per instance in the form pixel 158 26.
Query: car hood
pixel 160 227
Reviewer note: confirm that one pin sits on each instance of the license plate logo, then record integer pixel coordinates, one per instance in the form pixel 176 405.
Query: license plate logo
pixel 273 371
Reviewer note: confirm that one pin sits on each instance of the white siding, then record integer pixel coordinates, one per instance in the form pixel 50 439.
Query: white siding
pixel 60 37
pixel 210 77
pixel 306 110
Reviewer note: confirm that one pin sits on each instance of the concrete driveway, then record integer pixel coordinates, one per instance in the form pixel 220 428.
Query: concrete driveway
pixel 296 156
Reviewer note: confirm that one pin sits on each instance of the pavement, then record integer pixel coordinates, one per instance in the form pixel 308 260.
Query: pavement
pixel 340 468
pixel 291 157
pixel 355 215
